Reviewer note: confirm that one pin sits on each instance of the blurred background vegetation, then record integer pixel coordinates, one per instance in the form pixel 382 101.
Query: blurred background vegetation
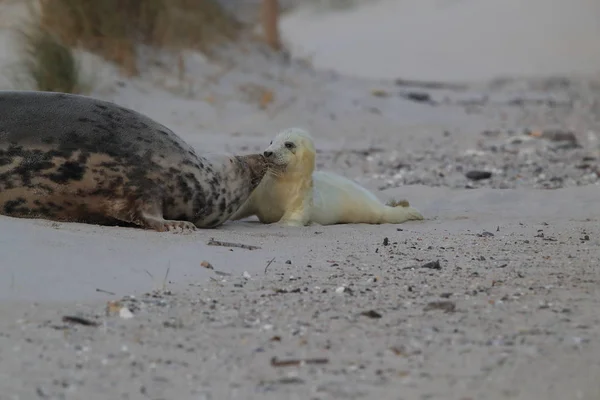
pixel 114 30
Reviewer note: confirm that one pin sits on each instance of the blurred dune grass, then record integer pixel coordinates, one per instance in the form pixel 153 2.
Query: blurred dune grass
pixel 113 29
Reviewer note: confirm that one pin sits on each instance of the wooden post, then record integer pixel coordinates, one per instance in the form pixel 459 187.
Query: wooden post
pixel 270 22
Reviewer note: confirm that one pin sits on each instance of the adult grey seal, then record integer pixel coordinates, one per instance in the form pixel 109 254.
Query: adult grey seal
pixel 73 158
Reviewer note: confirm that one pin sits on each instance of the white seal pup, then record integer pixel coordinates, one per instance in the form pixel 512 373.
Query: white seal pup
pixel 77 159
pixel 295 194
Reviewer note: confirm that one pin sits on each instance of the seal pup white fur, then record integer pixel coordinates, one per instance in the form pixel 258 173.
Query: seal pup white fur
pixel 295 194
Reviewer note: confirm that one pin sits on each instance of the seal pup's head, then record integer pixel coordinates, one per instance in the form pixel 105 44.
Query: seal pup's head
pixel 292 151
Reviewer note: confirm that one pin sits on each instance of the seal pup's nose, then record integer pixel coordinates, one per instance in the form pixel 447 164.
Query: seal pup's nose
pixel 268 154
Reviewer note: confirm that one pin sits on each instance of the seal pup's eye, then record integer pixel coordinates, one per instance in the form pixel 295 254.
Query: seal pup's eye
pixel 271 143
pixel 289 145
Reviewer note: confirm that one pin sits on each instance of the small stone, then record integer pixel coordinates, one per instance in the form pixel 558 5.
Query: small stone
pixel 125 313
pixel 246 275
pixel 490 133
pixel 288 262
pixel 444 305
pixel 379 93
pixel 386 241
pixel 432 265
pixel 485 234
pixel 478 175
pixel 371 314
pixel 555 135
pixel 419 97
pixel 113 307
pixel 344 289
pixel 206 264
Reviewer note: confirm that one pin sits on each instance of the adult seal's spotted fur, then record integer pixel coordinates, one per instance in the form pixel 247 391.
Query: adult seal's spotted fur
pixel 73 158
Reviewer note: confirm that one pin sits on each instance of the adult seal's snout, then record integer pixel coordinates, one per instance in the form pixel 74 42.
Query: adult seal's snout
pixel 74 158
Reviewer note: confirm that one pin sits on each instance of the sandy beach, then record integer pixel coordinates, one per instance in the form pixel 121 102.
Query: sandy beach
pixel 494 295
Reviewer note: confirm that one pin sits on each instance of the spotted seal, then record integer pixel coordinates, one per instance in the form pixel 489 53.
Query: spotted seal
pixel 73 158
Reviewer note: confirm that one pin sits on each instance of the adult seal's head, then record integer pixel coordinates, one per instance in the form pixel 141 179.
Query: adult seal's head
pixel 74 158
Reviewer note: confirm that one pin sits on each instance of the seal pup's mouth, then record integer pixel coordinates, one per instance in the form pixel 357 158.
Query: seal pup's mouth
pixel 274 166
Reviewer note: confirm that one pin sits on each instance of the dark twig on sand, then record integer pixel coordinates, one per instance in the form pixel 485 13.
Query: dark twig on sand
pixel 296 362
pixel 269 264
pixel 213 242
pixel 79 320
pixel 105 291
pixel 371 314
pixel 430 85
pixel 444 305
pixel 432 265
pixel 166 276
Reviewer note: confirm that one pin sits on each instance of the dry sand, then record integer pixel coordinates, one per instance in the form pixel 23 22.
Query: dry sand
pixel 494 296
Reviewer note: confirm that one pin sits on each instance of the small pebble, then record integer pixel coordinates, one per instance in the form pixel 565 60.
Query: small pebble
pixel 432 265
pixel 478 175
pixel 419 97
pixel 371 314
pixel 444 305
pixel 485 234
pixel 125 313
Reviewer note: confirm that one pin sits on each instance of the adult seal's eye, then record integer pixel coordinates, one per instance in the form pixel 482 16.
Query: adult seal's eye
pixel 289 145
